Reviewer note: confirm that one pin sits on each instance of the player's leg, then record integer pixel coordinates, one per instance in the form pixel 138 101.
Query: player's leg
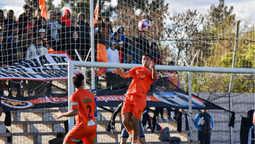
pixel 90 139
pixel 126 117
pixel 141 134
pixel 124 135
pixel 126 114
pixel 137 110
pixel 71 137
pixel 135 125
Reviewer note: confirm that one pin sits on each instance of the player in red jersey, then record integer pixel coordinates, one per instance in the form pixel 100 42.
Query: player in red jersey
pixel 135 99
pixel 83 108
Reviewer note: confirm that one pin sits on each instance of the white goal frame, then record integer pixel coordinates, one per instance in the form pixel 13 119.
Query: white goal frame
pixel 73 64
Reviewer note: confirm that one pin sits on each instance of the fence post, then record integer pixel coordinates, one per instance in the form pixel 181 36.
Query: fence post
pixel 232 76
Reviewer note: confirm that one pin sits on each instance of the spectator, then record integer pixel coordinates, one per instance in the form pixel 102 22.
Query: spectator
pixel 15 30
pixel 98 34
pixel 75 43
pixel 62 33
pixel 27 38
pixel 135 51
pixel 30 11
pixel 204 124
pixel 46 44
pixel 155 53
pixel 173 83
pixel 33 22
pixel 182 121
pixel 38 14
pixel 122 52
pixel 66 17
pixel 2 51
pixel 36 50
pixel 108 27
pixel 42 23
pixel 113 57
pixel 73 26
pixel 85 30
pixel 54 26
pixel 58 140
pixel 99 30
pixel 84 26
pixel 10 22
pixel 120 30
pixel 3 29
pixel 143 43
pixel 42 33
pixel 2 20
pixel 129 59
pixel 147 118
pixel 23 18
pixel 14 51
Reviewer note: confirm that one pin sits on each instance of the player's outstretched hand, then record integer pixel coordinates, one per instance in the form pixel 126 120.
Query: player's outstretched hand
pixel 152 64
pixel 58 115
pixel 117 70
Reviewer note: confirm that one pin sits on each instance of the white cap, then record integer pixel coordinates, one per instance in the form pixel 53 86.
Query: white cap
pixel 113 42
pixel 121 42
pixel 41 30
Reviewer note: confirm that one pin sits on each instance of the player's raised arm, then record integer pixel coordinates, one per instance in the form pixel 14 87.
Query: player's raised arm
pixel 70 113
pixel 154 73
pixel 122 73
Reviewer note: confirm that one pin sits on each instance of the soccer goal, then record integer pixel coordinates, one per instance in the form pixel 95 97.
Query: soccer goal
pixel 198 88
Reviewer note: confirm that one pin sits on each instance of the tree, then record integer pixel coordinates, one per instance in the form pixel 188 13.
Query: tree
pixel 184 34
pixel 218 29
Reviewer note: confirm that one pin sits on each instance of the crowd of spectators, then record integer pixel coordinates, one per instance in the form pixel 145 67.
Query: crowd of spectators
pixel 31 35
pixel 26 36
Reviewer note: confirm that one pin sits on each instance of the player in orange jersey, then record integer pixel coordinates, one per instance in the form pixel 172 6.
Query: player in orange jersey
pixel 83 108
pixel 135 99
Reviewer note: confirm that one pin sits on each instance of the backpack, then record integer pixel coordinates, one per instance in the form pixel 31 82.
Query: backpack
pixel 165 137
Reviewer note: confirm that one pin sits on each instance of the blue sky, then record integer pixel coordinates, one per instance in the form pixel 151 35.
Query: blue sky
pixel 243 8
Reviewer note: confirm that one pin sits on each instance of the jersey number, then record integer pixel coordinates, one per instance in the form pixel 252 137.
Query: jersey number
pixel 89 107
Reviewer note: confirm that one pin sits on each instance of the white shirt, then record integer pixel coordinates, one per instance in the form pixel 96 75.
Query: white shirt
pixel 34 51
pixel 113 57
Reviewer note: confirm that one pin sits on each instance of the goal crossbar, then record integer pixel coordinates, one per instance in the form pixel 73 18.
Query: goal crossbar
pixel 160 67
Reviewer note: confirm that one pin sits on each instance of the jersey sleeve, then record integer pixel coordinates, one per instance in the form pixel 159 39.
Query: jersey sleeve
pixel 74 103
pixel 132 71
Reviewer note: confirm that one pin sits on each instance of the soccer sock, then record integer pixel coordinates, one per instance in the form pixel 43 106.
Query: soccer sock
pixel 135 140
pixel 129 132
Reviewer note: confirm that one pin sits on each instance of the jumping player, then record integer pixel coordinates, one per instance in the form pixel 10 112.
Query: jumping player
pixel 135 99
pixel 83 108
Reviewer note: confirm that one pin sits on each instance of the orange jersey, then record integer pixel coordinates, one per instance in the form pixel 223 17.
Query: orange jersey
pixel 84 101
pixel 142 79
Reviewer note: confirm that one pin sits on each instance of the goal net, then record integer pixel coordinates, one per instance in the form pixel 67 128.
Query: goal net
pixel 209 90
pixel 36 36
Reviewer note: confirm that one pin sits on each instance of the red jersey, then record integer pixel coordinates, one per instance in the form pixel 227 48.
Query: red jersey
pixel 142 79
pixel 84 101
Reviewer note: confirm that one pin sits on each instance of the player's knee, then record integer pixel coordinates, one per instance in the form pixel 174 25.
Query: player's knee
pixel 135 120
pixel 125 120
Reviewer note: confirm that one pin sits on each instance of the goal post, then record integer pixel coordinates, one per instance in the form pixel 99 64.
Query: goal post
pixel 189 69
